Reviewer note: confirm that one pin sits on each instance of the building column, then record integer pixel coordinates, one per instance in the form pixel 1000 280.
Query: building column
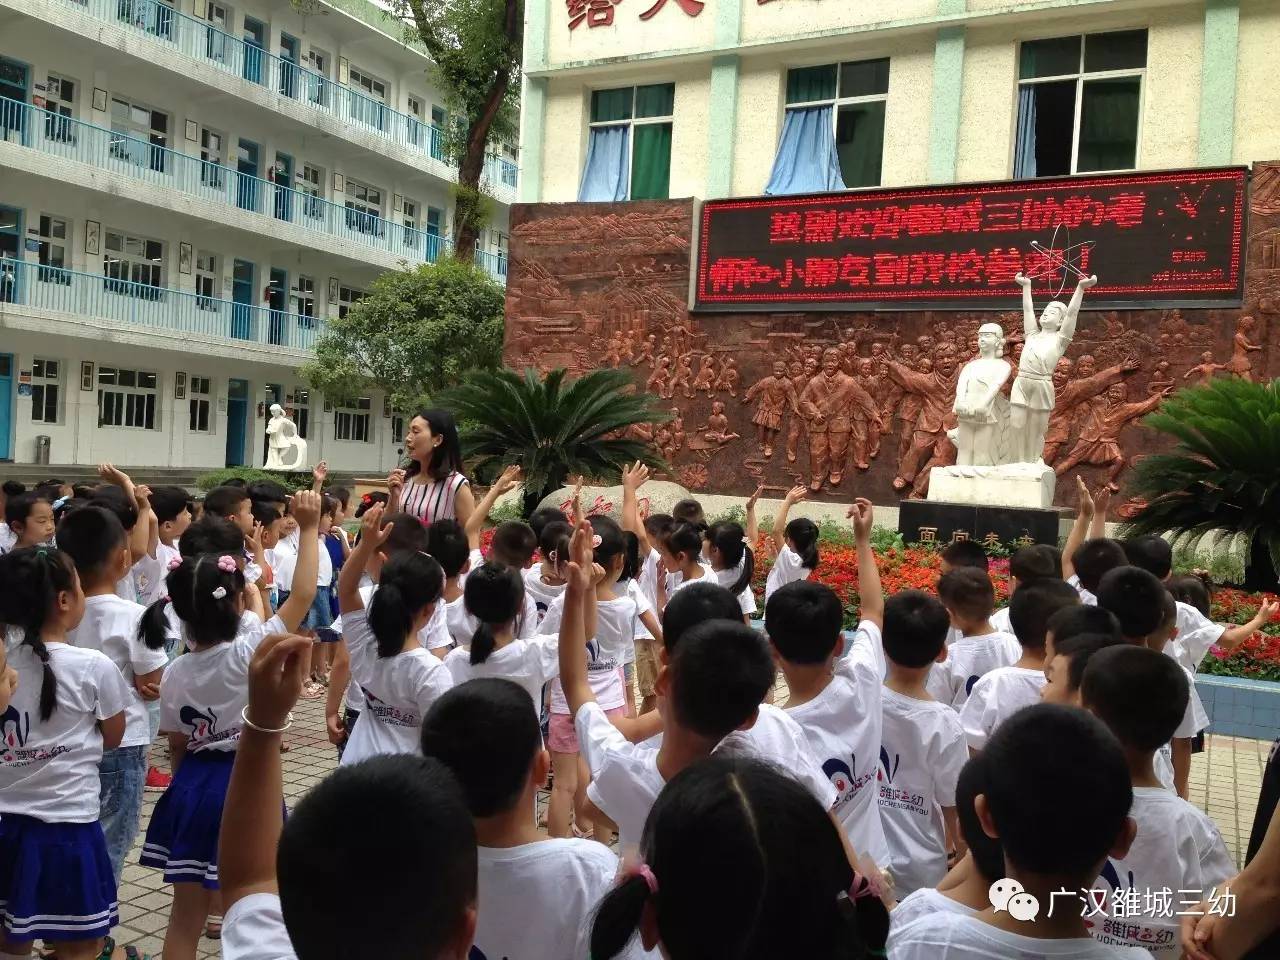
pixel 944 124
pixel 533 101
pixel 722 108
pixel 1218 83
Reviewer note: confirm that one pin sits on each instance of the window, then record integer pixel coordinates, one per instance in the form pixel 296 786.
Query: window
pixel 374 88
pixel 306 302
pixel 207 281
pixel 317 61
pixel 855 95
pixel 631 129
pixel 346 297
pixel 126 398
pixel 438 120
pixel 134 263
pixel 60 101
pixel 302 411
pixel 409 217
pixel 45 377
pixel 134 126
pixel 368 102
pixel 53 250
pixel 397 428
pixel 308 182
pixel 217 45
pixel 364 208
pixel 435 217
pixel 198 402
pixel 212 153
pixel 353 423
pixel 1079 103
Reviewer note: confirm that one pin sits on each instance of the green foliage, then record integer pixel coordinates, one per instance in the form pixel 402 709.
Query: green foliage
pixel 1223 476
pixel 883 539
pixel 301 480
pixel 551 427
pixel 508 510
pixel 417 332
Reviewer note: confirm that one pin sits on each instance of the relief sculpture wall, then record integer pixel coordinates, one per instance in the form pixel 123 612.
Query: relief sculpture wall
pixel 851 402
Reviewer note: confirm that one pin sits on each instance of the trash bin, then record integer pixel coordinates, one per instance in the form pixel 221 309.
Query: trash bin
pixel 42 448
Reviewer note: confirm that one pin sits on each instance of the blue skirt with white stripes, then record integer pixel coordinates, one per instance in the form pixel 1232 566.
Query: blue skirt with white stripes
pixel 55 880
pixel 182 838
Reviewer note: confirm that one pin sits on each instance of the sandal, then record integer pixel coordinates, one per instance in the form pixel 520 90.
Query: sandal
pixel 213 927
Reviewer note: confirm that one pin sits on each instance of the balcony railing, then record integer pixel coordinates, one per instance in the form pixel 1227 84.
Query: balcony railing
pixel 150 307
pixel 242 58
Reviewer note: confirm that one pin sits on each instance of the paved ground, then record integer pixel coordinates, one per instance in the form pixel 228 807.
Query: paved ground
pixel 1225 782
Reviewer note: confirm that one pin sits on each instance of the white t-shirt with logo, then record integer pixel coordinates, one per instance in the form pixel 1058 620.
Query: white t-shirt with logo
pixel 996 697
pixel 922 903
pixel 398 691
pixel 787 568
pixel 842 724
pixel 529 663
pixel 110 625
pixel 1176 848
pixel 779 739
pixel 624 776
pixel 543 593
pixel 969 659
pixel 203 692
pixel 921 758
pixel 49 768
pixel 606 652
pixel 953 936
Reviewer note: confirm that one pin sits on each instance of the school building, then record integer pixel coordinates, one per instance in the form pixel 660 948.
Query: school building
pixel 636 99
pixel 188 191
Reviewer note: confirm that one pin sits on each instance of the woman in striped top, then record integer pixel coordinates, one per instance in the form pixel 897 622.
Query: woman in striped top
pixel 433 486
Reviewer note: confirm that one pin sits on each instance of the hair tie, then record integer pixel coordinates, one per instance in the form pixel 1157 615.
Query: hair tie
pixel 175 563
pixel 61 501
pixel 226 564
pixel 863 887
pixel 641 869
pixel 219 592
pixel 596 541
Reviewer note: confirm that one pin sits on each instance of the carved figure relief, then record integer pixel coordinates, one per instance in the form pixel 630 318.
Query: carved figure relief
pixel 773 396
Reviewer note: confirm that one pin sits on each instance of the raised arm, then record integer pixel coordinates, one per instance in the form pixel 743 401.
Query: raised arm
pixel 870 593
pixel 1068 329
pixel 1079 529
pixel 1098 527
pixel 573 637
pixel 372 536
pixel 306 510
pixel 476 521
pixel 140 534
pixel 753 526
pixel 794 495
pixel 1237 634
pixel 1030 327
pixel 633 478
pixel 319 473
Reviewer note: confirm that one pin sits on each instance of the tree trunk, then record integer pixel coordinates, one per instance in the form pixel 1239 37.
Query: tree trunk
pixel 1259 572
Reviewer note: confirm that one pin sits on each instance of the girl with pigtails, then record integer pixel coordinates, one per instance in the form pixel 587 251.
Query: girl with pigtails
pixel 202 699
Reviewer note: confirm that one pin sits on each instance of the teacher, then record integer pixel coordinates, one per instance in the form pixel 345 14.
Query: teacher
pixel 433 486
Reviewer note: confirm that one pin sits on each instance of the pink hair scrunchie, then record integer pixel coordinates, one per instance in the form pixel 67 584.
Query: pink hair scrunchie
pixel 226 564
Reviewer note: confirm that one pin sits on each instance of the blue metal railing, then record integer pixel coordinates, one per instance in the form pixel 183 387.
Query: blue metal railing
pixel 244 58
pixel 145 306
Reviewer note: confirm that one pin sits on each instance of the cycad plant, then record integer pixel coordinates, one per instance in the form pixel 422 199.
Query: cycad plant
pixel 553 427
pixel 1222 479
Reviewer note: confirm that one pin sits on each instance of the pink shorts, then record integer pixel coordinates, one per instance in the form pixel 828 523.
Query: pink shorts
pixel 561 735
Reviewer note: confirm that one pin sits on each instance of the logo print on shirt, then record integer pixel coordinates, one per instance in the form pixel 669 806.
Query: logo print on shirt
pixel 840 774
pixel 15 727
pixel 1112 876
pixel 203 724
pixel 968 684
pixel 887 770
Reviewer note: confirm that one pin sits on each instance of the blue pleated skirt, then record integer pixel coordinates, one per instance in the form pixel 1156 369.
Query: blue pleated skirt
pixel 55 880
pixel 182 838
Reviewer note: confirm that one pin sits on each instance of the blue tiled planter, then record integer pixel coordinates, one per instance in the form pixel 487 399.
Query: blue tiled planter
pixel 1241 708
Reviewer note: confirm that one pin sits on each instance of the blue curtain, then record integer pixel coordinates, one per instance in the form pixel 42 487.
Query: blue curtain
pixel 1024 150
pixel 605 175
pixel 807 161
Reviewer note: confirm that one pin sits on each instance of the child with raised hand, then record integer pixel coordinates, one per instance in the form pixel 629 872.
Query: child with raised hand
pixel 649 579
pixel 1036 561
pixel 399 678
pixel 132 505
pixel 202 700
pixel 1141 696
pixel 681 552
pixel 1005 690
pixel 382 815
pixel 29 518
pixel 69 706
pixel 730 832
pixel 536 895
pixel 1089 553
pixel 835 693
pixel 544 582
pixel 969 598
pixel 1057 797
pixel 795 543
pixel 732 561
pixel 96 543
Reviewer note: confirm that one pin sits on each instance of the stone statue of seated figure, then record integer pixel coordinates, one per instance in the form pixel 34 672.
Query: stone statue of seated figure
pixel 282 437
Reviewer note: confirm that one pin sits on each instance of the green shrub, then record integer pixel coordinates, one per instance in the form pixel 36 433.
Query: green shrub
pixel 301 480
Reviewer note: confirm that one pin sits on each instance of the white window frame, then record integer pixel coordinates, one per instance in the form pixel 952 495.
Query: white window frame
pixel 348 420
pixel 636 122
pixel 199 404
pixel 49 241
pixel 346 297
pixel 124 256
pixel 159 140
pixel 207 275
pixel 365 81
pixel 1080 78
pixel 124 391
pixel 306 301
pixel 302 411
pixel 41 383
pixel 836 102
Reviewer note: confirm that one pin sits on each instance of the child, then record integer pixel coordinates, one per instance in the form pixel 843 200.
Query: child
pixel 536 895
pixel 681 552
pixel 338 831
pixel 732 562
pixel 544 582
pixel 1141 696
pixel 399 678
pixel 648 532
pixel 494 598
pixel 689 511
pixel 96 543
pixel 1089 562
pixel 835 695
pixel 29 518
pixel 1078 618
pixel 539 519
pixel 10 488
pixel 1065 671
pixel 68 707
pixel 232 503
pixel 172 508
pixel 922 749
pixel 1036 561
pixel 729 832
pixel 132 506
pixel 1005 690
pixel 796 543
pixel 960 554
pixel 202 699
pixel 1057 796
pixel 970 599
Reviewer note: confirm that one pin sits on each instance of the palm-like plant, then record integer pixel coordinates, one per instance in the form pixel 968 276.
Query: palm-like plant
pixel 551 427
pixel 1223 477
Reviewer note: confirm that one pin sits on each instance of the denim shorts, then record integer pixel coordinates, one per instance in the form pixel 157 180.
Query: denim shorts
pixel 319 616
pixel 122 774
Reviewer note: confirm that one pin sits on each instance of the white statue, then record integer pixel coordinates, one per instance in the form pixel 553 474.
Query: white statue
pixel 981 409
pixel 1032 398
pixel 282 436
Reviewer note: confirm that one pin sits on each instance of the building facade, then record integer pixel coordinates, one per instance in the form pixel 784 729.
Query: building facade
pixel 722 98
pixel 188 192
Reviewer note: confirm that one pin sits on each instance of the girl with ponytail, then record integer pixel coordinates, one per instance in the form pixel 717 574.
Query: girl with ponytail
pixel 494 598
pixel 795 544
pixel 68 707
pixel 400 679
pixel 732 562
pixel 203 696
pixel 739 860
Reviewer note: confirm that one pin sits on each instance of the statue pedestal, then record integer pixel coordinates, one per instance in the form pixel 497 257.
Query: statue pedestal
pixel 929 521
pixel 1008 485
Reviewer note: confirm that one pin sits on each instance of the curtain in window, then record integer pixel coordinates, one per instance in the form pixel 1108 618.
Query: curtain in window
pixel 604 178
pixel 807 161
pixel 1109 124
pixel 1024 149
pixel 651 162
pixel 860 143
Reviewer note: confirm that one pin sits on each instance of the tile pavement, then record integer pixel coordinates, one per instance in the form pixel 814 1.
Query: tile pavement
pixel 1225 780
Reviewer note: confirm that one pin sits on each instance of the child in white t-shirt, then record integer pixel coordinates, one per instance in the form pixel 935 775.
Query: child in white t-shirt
pixel 1056 793
pixel 795 542
pixel 732 562
pixel 1073 635
pixel 922 745
pixel 1006 690
pixel 543 581
pixel 172 509
pixel 648 532
pixel 537 895
pixel 681 552
pixel 1141 696
pixel 68 706
pixel 969 597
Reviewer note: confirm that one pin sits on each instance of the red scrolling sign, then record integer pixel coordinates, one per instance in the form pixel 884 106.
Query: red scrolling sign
pixel 1167 239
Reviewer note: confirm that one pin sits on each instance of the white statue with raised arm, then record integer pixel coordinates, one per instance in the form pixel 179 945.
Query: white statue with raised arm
pixel 282 436
pixel 1046 341
pixel 980 408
